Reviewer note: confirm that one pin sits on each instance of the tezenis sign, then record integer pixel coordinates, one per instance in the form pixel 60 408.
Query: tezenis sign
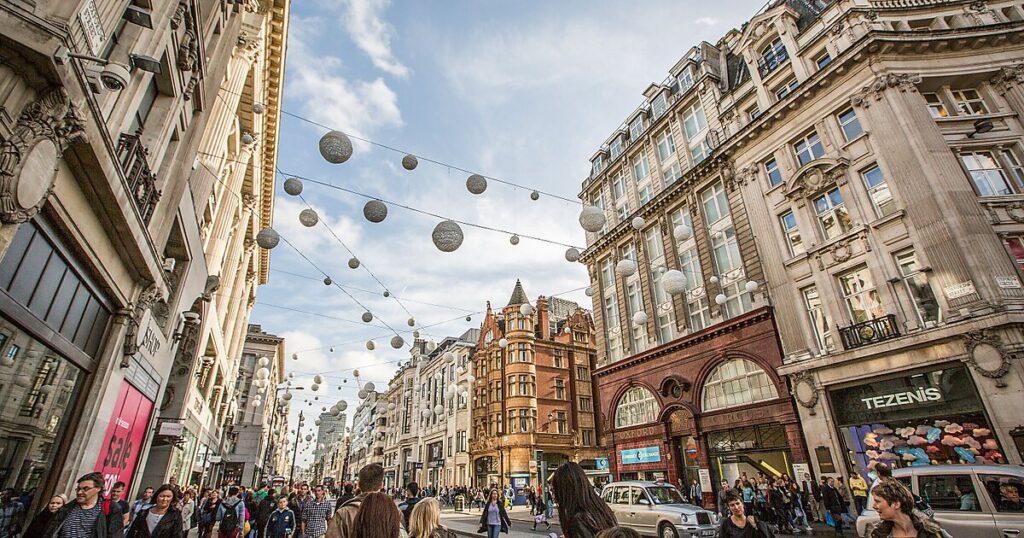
pixel 922 394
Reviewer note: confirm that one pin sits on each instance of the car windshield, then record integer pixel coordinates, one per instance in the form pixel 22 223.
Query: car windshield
pixel 665 495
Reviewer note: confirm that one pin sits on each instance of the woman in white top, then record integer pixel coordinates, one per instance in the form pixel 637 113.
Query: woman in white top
pixel 162 520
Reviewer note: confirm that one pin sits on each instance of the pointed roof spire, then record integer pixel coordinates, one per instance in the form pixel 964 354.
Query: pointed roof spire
pixel 518 295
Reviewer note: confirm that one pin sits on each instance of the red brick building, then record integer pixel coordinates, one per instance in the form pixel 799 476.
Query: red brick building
pixel 710 403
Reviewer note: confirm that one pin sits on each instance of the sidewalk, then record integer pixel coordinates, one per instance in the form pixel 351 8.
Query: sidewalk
pixel 466 523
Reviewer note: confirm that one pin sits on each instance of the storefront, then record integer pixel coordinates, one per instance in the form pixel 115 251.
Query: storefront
pixel 923 417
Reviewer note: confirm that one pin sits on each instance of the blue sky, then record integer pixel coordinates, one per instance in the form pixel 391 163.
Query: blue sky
pixel 523 91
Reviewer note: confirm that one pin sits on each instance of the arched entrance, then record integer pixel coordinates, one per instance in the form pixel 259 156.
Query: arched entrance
pixel 485 471
pixel 681 430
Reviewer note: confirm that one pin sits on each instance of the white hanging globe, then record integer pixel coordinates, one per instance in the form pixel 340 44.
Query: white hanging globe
pixel 316 422
pixel 248 138
pixel 368 317
pixel 431 346
pixel 342 405
pixel 412 323
pixel 592 218
pixel 309 437
pixel 46 389
pixel 682 232
pixel 335 147
pixel 447 236
pixel 476 184
pixel 264 361
pixel 514 239
pixel 572 254
pixel 318 379
pixel 362 394
pixel 589 291
pixel 287 396
pixel 751 286
pixel 637 223
pixel 426 413
pixel 448 357
pixel 471 378
pixel 449 391
pixel 713 279
pixel 268 238
pixel 375 211
pixel 409 162
pixel 369 386
pixel 526 309
pixel 720 299
pixel 535 196
pixel 355 373
pixel 314 387
pixel 392 406
pixel 262 373
pixel 397 342
pixel 625 268
pixel 370 345
pixel 503 343
pixel 674 282
pixel 293 186
pixel 640 318
pixel 439 409
pixel 353 263
pixel 308 217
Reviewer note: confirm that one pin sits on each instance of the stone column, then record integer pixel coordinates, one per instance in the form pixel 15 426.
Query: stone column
pixel 946 222
pixel 1008 83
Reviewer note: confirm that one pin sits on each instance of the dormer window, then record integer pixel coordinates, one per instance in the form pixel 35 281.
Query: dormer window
pixel 685 80
pixel 772 56
pixel 659 105
pixel 598 163
pixel 616 147
pixel 636 128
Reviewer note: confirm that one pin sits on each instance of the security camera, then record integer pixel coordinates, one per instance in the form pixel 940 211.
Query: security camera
pixel 115 77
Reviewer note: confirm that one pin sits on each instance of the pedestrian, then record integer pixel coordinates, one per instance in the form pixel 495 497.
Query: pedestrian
pixel 266 506
pixel 39 523
pixel 811 495
pixel 895 506
pixel 346 494
pixel 425 521
pixel 140 504
pixel 859 489
pixel 722 506
pixel 231 515
pixel 281 523
pixel 494 519
pixel 116 500
pixel 410 502
pixel 162 519
pixel 84 518
pixel 377 517
pixel 187 506
pixel 833 501
pixel 540 510
pixel 12 513
pixel 208 512
pixel 739 524
pixel 371 480
pixel 315 513
pixel 581 512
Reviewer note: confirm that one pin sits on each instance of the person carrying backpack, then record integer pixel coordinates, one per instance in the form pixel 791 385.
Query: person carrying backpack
pixel 231 515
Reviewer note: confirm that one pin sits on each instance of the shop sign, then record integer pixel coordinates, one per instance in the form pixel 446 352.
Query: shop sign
pixel 799 470
pixel 601 463
pixel 124 437
pixel 520 481
pixel 92 27
pixel 947 391
pixel 956 291
pixel 647 454
pixel 1008 282
pixel 705 479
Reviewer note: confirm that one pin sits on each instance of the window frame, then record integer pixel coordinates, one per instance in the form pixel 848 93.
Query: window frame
pixel 965 106
pixel 833 210
pixel 808 146
pixel 974 153
pixel 794 247
pixel 844 124
pixel 881 209
pixel 864 295
pixel 771 170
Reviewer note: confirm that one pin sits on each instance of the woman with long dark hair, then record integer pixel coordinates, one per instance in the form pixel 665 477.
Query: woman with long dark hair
pixel 378 517
pixel 581 512
pixel 162 520
pixel 494 519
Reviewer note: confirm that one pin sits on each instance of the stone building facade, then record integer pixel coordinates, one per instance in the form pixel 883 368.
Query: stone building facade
pixel 366 443
pixel 533 390
pixel 865 156
pixel 103 109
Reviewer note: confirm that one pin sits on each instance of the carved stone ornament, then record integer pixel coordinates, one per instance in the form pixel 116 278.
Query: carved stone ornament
pixel 815 176
pixel 212 285
pixel 841 252
pixel 1008 78
pixel 805 391
pixel 903 82
pixel 986 355
pixel 29 155
pixel 133 316
pixel 977 6
pixel 836 28
pixel 1016 211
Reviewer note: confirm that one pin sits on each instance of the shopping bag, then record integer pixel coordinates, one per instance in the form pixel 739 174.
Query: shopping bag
pixel 828 519
pixel 540 518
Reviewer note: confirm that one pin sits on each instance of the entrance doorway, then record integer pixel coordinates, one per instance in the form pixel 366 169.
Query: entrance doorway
pixel 748 451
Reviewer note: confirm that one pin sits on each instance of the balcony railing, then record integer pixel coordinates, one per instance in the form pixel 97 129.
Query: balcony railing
pixel 869 332
pixel 771 61
pixel 141 180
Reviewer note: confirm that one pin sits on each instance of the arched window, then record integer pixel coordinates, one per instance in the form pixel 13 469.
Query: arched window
pixel 637 406
pixel 737 382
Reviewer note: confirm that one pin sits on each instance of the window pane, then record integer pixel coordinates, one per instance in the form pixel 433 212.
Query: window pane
pixel 1006 492
pixel 949 492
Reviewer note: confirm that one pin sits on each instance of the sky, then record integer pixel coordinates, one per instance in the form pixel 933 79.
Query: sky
pixel 521 91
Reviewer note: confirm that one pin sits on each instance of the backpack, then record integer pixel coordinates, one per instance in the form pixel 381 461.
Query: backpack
pixel 230 520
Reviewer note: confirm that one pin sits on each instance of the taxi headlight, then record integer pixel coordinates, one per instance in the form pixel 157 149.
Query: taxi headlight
pixel 684 518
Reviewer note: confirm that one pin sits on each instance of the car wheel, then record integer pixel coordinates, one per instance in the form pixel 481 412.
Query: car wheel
pixel 667 531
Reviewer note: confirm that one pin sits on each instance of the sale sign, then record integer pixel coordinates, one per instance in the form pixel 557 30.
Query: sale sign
pixel 125 435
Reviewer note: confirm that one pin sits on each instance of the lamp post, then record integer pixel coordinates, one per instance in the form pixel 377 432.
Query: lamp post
pixel 273 421
pixel 295 449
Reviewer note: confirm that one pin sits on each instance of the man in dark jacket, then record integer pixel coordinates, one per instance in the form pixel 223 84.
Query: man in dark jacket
pixel 833 501
pixel 84 518
pixel 348 493
pixel 410 502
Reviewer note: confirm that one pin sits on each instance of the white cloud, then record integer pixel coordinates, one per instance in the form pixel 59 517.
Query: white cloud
pixel 707 21
pixel 371 34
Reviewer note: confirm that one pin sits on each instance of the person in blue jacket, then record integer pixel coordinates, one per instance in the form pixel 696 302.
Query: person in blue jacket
pixel 281 523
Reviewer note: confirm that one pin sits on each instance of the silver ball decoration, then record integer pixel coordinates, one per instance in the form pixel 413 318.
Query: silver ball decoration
pixel 367 317
pixel 416 334
pixel 353 263
pixel 469 318
pixel 640 318
pixel 589 291
pixel 674 282
pixel 720 299
pixel 447 236
pixel 258 108
pixel 268 238
pixel 370 345
pixel 293 186
pixel 713 279
pixel 572 254
pixel 248 138
pixel 409 162
pixel 308 217
pixel 476 184
pixel 328 281
pixel 375 211
pixel 411 322
pixel 503 343
pixel 387 293
pixel 335 147
pixel 514 239
pixel 751 286
pixel 535 196
pixel 625 268
pixel 397 342
pixel 526 309
pixel 592 218
pixel 637 223
pixel 682 232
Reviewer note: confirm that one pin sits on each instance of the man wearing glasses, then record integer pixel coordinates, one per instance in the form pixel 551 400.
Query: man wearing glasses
pixel 84 518
pixel 315 514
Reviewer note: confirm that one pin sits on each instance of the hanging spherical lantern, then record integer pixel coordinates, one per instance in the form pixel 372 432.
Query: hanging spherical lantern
pixel 589 291
pixel 295 356
pixel 267 238
pixel 263 373
pixel 426 413
pixel 287 396
pixel 469 318
pixel 342 405
pixel 387 293
pixel 447 236
pixel 397 342
pixel 362 394
pixel 720 299
pixel 328 281
pixel 471 378
pixel 264 361
pixel 640 318
pixel 46 389
pixel 674 282
pixel 751 286
pixel 713 279
pixel 369 386
pixel 309 437
pixel 409 162
pixel 431 346
pixel 258 108
pixel 503 343
pixel 476 184
pixel 572 254
pixel 316 422
pixel 314 387
pixel 637 223
pixel 411 322
pixel 514 239
pixel 248 138
pixel 335 147
pixel 682 232
pixel 318 379
pixel 353 263
pixel 592 218
pixel 331 349
pixel 535 196
pixel 625 268
pixel 370 345
pixel 367 317
pixel 438 409
pixel 526 309
pixel 375 211
pixel 416 334
pixel 293 186
pixel 392 406
pixel 308 217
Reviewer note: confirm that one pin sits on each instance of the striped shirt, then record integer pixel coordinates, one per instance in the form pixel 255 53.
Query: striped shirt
pixel 81 522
